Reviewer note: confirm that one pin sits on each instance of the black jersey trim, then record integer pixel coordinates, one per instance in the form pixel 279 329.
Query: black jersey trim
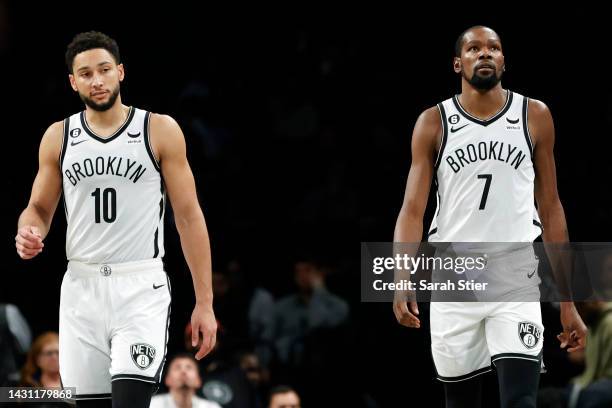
pixel 520 356
pixel 134 377
pixel 464 377
pixel 433 231
pixel 526 125
pixel 114 135
pixel 538 224
pixel 155 244
pixel 163 362
pixel 64 142
pixel 438 194
pixel 444 135
pixel 147 138
pixel 485 122
pixel 61 162
pixel 92 396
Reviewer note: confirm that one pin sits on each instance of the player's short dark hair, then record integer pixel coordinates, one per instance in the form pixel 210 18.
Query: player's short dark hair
pixel 281 389
pixel 88 41
pixel 460 39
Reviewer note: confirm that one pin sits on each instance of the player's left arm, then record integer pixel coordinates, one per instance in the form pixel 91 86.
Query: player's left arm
pixel 551 212
pixel 168 144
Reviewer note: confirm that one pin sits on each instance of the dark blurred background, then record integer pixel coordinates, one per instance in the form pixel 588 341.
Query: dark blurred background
pixel 298 132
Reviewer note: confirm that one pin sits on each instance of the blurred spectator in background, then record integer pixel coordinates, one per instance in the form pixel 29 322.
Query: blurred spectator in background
pixel 257 376
pixel 311 337
pixel 594 387
pixel 245 313
pixel 299 315
pixel 15 338
pixel 224 381
pixel 183 380
pixel 42 364
pixel 283 396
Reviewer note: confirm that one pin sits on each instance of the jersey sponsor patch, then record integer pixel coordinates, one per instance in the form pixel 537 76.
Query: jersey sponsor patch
pixel 529 333
pixel 142 354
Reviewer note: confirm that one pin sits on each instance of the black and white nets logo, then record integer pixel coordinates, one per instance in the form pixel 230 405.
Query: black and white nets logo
pixel 142 355
pixel 529 334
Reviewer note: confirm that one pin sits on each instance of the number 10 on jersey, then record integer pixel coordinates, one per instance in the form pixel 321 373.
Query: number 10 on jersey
pixel 107 205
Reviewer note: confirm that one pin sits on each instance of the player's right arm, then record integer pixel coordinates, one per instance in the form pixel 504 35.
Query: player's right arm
pixel 426 138
pixel 35 220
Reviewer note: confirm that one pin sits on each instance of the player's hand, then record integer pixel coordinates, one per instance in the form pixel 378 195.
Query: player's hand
pixel 574 330
pixel 406 316
pixel 203 329
pixel 28 242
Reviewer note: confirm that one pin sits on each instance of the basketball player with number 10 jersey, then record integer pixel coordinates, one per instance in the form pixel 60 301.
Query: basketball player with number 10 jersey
pixel 115 165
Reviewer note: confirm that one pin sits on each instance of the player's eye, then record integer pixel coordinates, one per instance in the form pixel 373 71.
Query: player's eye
pixel 85 74
pixel 473 48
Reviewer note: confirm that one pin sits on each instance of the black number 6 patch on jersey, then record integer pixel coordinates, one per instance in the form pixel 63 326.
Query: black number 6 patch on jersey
pixel 529 333
pixel 142 355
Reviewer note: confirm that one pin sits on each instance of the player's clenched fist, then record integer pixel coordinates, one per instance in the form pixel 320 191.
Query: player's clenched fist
pixel 28 242
pixel 405 316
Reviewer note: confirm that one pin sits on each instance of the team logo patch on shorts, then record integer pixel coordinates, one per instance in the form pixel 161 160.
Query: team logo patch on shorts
pixel 529 333
pixel 142 355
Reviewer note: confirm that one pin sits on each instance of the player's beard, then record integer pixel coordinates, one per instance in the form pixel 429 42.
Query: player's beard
pixel 484 83
pixel 101 107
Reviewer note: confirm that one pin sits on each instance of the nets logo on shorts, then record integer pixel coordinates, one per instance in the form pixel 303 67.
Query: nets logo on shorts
pixel 529 334
pixel 142 355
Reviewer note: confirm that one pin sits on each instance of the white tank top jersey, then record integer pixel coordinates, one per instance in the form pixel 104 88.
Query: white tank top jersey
pixel 484 176
pixel 113 192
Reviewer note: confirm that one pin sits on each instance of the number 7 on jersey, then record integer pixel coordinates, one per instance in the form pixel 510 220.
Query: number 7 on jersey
pixel 485 193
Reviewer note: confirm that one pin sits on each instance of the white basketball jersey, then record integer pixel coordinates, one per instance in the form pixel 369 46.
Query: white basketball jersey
pixel 113 192
pixel 485 176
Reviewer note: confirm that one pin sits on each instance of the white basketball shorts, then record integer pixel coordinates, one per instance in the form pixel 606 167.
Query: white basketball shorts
pixel 468 337
pixel 113 325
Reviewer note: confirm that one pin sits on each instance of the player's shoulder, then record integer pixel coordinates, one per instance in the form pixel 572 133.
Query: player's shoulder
pixel 163 122
pixel 428 126
pixel 54 135
pixel 56 128
pixel 165 132
pixel 430 116
pixel 537 108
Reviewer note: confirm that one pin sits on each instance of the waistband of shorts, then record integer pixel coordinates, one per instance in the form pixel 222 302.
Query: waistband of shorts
pixel 492 250
pixel 88 270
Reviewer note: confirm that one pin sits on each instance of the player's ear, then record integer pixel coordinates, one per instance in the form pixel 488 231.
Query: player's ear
pixel 121 70
pixel 457 65
pixel 72 82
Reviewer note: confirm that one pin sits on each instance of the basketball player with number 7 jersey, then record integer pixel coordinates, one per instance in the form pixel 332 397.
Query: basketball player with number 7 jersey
pixel 489 152
pixel 115 165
